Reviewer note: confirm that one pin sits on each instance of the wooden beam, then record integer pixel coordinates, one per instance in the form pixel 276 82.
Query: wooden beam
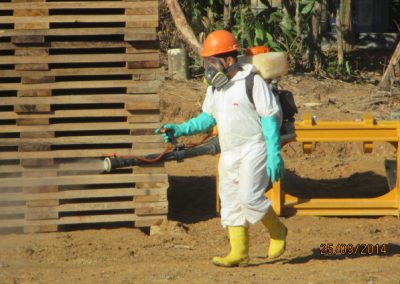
pixel 80 58
pixel 82 179
pixel 79 19
pixel 133 33
pixel 83 140
pixel 82 5
pixel 86 99
pixel 76 153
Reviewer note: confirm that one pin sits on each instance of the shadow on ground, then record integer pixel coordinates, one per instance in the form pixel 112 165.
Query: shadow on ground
pixel 191 199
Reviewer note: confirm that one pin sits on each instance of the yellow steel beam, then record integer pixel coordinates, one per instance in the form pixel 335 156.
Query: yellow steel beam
pixel 367 131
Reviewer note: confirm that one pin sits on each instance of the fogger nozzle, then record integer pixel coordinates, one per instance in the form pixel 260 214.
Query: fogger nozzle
pixel 210 148
pixel 112 163
pixel 107 165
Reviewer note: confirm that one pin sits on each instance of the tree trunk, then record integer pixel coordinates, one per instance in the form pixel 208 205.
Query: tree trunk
pixel 390 73
pixel 227 14
pixel 288 8
pixel 339 35
pixel 183 26
pixel 346 21
pixel 298 19
pixel 314 38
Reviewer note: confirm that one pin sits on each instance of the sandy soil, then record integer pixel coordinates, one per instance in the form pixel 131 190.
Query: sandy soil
pixel 181 252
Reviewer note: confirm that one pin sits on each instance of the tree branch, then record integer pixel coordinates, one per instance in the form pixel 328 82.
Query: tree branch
pixel 183 26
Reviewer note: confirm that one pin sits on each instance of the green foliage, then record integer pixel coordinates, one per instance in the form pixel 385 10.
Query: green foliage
pixel 271 27
pixel 336 71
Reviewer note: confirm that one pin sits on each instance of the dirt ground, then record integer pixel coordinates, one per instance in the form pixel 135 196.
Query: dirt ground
pixel 182 251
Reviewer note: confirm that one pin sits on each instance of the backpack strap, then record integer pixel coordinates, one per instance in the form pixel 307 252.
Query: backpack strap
pixel 249 80
pixel 249 87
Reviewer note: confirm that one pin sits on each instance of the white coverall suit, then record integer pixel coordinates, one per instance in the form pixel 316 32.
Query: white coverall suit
pixel 242 165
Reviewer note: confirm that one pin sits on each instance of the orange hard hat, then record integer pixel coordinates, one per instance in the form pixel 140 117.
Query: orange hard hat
pixel 219 42
pixel 257 50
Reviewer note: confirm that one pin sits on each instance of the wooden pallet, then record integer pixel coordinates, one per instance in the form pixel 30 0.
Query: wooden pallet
pixel 78 81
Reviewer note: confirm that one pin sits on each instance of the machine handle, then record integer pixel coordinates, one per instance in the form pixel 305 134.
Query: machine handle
pixel 170 134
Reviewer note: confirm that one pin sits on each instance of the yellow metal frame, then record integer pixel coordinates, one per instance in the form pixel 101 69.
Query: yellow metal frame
pixel 366 131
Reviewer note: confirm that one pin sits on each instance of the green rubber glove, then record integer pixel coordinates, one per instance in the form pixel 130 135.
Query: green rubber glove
pixel 275 165
pixel 199 124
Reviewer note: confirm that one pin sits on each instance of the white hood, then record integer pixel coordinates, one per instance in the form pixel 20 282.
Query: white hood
pixel 246 70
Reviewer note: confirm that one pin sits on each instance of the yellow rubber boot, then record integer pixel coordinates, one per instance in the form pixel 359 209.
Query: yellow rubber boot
pixel 277 232
pixel 239 255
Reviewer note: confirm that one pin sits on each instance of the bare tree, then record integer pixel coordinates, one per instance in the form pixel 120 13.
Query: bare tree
pixel 297 18
pixel 390 73
pixel 314 38
pixel 227 14
pixel 346 21
pixel 183 26
pixel 339 35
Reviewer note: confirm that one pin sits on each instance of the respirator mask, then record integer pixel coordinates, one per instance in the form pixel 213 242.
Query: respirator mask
pixel 215 72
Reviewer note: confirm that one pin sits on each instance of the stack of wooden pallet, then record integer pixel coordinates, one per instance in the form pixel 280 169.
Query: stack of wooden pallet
pixel 78 80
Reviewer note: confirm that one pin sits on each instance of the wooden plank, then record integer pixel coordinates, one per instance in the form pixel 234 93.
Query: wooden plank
pixel 82 220
pixel 137 47
pixel 32 67
pixel 151 198
pixel 9 210
pixel 23 37
pixel 68 113
pixel 31 26
pixel 27 1
pixel 98 206
pixel 153 221
pixel 141 11
pixel 29 19
pixel 134 86
pixel 77 180
pixel 33 135
pixel 80 58
pixel 39 229
pixel 148 145
pixel 143 64
pixel 89 99
pixel 81 194
pixel 52 212
pixel 140 118
pixel 34 93
pixel 37 79
pixel 152 210
pixel 82 5
pixel 142 106
pixel 84 140
pixel 78 127
pixel 32 108
pixel 130 33
pixel 36 162
pixel 76 153
pixel 40 215
pixel 28 13
pixel 43 202
pixel 31 52
pixel 32 121
pixel 143 24
pixel 156 73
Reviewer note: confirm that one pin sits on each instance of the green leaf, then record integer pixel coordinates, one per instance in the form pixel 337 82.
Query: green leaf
pixel 286 23
pixel 308 8
pixel 348 68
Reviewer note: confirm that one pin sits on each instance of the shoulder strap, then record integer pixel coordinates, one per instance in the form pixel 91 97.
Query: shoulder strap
pixel 249 87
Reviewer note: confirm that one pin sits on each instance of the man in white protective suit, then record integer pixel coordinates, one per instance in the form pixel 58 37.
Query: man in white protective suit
pixel 250 146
